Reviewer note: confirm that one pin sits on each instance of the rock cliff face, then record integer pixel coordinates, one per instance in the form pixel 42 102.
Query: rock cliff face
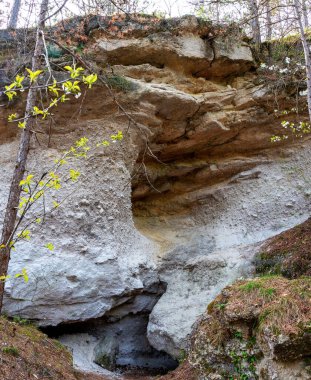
pixel 207 185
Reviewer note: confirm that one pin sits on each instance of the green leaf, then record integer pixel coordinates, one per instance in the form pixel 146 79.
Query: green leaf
pixel 53 88
pixel 33 75
pixel 19 80
pixel 71 87
pixel 21 124
pixel 23 274
pixel 56 204
pixel 12 117
pixel 24 235
pixel 74 72
pixel 90 80
pixel 74 175
pixel 27 180
pixel 10 94
pixel 81 142
pixel 49 246
pixel 4 278
pixel 37 111
pixel 118 136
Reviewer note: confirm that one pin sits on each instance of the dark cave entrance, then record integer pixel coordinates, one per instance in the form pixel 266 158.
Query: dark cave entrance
pixel 118 341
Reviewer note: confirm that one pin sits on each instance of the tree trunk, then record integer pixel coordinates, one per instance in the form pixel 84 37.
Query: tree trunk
pixel 307 52
pixel 305 13
pixel 20 166
pixel 253 7
pixel 269 30
pixel 269 21
pixel 14 14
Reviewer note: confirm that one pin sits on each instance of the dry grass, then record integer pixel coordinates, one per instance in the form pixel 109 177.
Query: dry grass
pixel 26 353
pixel 282 305
pixel 184 372
pixel 288 253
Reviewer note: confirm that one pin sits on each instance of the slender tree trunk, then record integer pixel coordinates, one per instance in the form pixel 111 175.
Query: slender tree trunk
pixel 14 14
pixel 307 52
pixel 269 21
pixel 20 166
pixel 217 12
pixel 269 30
pixel 305 13
pixel 255 25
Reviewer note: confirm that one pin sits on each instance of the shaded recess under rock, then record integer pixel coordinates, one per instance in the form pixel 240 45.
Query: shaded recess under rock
pixel 216 189
pixel 118 341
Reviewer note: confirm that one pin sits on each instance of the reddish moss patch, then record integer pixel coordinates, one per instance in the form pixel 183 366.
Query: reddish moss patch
pixel 288 253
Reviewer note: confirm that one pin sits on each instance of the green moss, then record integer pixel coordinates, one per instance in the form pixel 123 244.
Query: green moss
pixel 268 292
pixel 21 321
pixel 182 357
pixel 250 286
pixel 59 345
pixel 307 327
pixel 54 51
pixel 119 82
pixel 244 363
pixel 10 350
pixel 267 264
pixel 31 332
pixel 106 362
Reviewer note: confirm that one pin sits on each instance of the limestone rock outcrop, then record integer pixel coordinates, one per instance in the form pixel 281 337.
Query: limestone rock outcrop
pixel 207 184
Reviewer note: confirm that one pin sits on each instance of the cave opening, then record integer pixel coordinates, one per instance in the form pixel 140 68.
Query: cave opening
pixel 117 342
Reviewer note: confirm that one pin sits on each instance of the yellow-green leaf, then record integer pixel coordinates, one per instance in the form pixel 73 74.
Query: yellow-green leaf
pixel 49 246
pixel 74 175
pixel 33 75
pixel 27 180
pixel 12 117
pixel 24 235
pixel 23 274
pixel 90 80
pixel 56 204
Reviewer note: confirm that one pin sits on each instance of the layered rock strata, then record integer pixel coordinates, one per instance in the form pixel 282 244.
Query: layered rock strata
pixel 207 184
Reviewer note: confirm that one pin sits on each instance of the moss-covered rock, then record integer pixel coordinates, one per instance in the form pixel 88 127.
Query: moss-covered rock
pixel 288 253
pixel 263 320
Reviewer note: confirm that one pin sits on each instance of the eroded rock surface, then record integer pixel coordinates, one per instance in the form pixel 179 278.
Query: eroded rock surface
pixel 206 189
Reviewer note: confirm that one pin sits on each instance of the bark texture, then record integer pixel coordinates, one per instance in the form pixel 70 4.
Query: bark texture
pixel 306 49
pixel 253 7
pixel 14 14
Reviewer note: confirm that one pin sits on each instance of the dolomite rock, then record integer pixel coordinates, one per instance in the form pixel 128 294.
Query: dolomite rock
pixel 217 188
pixel 91 269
